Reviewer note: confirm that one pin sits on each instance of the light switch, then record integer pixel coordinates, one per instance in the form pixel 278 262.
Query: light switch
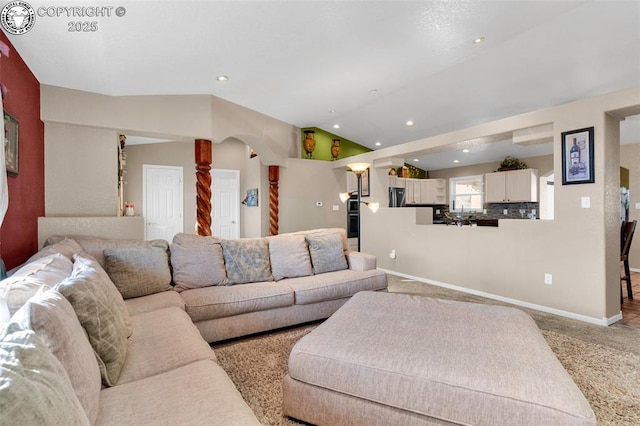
pixel 637 206
pixel 586 202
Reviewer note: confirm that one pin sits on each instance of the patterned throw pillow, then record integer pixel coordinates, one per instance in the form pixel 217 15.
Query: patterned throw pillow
pixel 97 304
pixel 196 266
pixel 247 260
pixel 138 271
pixel 34 387
pixel 326 252
pixel 289 256
pixel 53 319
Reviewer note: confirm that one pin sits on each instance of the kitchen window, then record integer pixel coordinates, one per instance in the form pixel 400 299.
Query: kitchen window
pixel 465 193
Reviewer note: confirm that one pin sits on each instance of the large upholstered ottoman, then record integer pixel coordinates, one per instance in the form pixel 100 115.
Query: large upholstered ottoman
pixel 398 359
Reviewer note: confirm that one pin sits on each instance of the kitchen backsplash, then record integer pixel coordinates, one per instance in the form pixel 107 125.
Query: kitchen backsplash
pixel 496 210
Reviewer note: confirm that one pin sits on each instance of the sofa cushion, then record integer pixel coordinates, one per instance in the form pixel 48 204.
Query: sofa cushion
pixel 335 285
pixel 200 393
pixel 247 260
pixel 26 281
pixel 224 301
pixel 34 387
pixel 192 239
pixel 162 340
pixel 326 252
pixel 101 311
pixel 96 246
pixel 289 256
pixel 196 266
pixel 138 271
pixel 67 247
pixel 53 319
pixel 153 302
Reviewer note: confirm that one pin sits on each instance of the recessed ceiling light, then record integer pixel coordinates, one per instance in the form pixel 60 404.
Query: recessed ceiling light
pixel 222 78
pixel 336 126
pixel 378 144
pixel 456 161
pixel 465 150
pixel 373 91
pixel 416 159
pixel 478 40
pixel 333 111
pixel 409 123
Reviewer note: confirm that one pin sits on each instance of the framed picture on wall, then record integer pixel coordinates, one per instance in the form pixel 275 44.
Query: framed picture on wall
pixel 365 184
pixel 577 156
pixel 11 144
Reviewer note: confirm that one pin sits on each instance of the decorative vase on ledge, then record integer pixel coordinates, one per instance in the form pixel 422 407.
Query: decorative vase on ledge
pixel 335 149
pixel 309 143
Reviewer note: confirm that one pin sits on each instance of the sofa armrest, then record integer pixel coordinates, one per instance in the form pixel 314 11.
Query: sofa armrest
pixel 361 261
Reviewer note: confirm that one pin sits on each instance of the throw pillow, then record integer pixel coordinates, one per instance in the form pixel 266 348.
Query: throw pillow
pixel 197 266
pixel 34 387
pixel 138 271
pixel 98 305
pixel 247 260
pixel 66 246
pixel 326 252
pixel 194 240
pixel 53 319
pixel 26 281
pixel 289 256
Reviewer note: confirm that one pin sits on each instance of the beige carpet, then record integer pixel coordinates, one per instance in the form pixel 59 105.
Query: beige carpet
pixel 606 373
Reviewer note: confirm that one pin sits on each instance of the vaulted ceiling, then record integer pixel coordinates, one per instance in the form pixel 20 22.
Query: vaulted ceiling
pixel 366 66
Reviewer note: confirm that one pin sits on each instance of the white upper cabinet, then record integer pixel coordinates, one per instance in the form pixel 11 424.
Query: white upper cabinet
pixel 511 187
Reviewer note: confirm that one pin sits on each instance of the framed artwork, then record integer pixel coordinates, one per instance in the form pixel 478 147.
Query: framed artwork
pixel 252 197
pixel 365 184
pixel 11 144
pixel 577 156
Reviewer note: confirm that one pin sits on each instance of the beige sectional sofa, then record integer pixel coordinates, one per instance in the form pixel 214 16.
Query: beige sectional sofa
pixel 116 331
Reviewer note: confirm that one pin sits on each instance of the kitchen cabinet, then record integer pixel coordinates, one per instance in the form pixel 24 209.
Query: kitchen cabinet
pixel 421 191
pixel 433 191
pixel 511 187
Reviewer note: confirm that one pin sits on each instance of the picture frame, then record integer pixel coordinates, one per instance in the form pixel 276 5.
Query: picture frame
pixel 252 197
pixel 578 157
pixel 365 184
pixel 11 144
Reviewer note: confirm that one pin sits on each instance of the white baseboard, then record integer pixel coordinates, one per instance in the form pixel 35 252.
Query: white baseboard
pixel 559 312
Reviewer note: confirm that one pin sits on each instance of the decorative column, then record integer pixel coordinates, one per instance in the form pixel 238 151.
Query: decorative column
pixel 274 176
pixel 203 186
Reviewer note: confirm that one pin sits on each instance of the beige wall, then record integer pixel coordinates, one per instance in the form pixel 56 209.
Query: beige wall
pixel 81 171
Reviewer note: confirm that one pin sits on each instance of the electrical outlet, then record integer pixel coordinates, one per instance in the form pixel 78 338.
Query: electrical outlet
pixel 336 207
pixel 505 212
pixel 392 254
pixel 548 279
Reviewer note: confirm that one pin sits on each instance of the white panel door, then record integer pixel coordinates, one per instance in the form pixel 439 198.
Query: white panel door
pixel 163 215
pixel 225 200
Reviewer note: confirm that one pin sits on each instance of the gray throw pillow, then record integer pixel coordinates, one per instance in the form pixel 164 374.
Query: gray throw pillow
pixel 197 266
pixel 247 260
pixel 326 252
pixel 53 319
pixel 34 387
pixel 138 271
pixel 97 304
pixel 289 256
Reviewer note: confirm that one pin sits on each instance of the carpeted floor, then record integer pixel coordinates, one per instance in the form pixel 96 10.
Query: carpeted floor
pixel 603 361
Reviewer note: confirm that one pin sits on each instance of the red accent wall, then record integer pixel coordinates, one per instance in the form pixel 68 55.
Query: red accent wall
pixel 19 231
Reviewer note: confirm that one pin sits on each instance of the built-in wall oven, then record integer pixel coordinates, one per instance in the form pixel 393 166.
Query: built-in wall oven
pixel 352 217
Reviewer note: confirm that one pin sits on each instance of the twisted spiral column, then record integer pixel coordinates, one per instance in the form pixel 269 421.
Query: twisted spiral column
pixel 203 186
pixel 274 172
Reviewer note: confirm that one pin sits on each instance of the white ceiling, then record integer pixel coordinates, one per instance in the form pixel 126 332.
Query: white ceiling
pixel 376 64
